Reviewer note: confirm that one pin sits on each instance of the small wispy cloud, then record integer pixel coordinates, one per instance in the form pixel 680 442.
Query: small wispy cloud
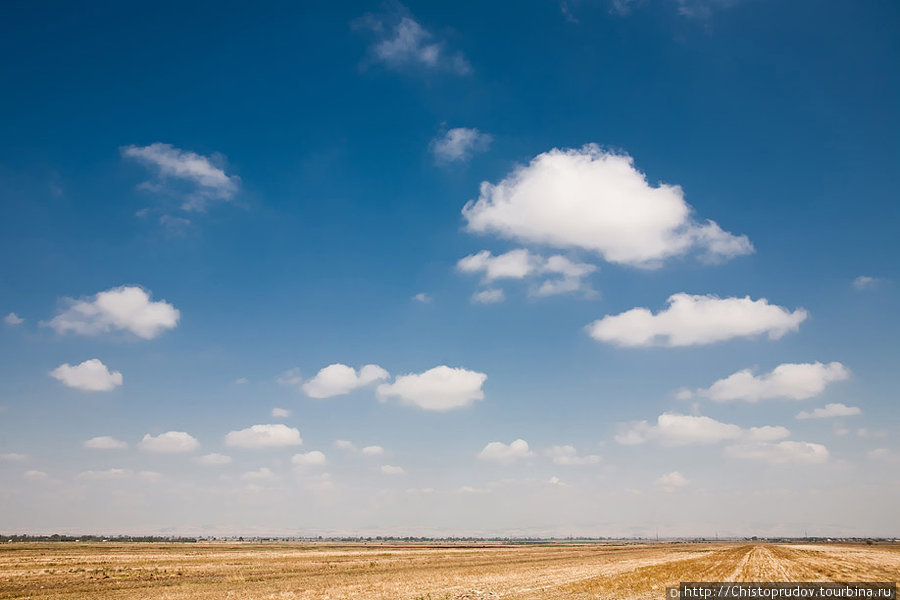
pixel 700 10
pixel 114 473
pixel 864 282
pixel 314 458
pixel 830 411
pixel 13 457
pixel 780 453
pixel 213 459
pixel 175 226
pixel 459 144
pixel 392 470
pixel 290 378
pixel 672 481
pixel 401 42
pixel 105 442
pixel 12 319
pixel 568 456
pixel 673 429
pixel 345 445
pixel 559 274
pixel 489 296
pixel 196 179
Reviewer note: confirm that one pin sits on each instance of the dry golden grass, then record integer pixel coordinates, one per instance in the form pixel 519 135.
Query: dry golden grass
pixel 416 571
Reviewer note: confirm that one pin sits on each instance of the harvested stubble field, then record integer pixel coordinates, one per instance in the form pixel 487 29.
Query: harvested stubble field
pixel 218 571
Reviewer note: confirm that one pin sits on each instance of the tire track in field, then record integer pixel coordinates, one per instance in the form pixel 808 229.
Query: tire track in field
pixel 757 562
pixel 650 581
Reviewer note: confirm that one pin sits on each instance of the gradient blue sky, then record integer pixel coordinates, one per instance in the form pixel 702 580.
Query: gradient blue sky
pixel 339 198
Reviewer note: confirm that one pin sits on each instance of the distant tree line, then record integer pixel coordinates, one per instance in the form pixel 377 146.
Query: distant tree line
pixel 56 537
pixel 93 538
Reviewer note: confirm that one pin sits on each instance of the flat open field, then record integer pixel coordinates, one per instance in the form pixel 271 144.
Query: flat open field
pixel 219 571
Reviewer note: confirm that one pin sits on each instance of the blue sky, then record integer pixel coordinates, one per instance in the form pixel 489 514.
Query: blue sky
pixel 206 205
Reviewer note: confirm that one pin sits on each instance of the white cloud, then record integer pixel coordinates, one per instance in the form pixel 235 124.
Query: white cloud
pixel 35 475
pixel 105 442
pixel 13 319
pixel 684 394
pixel 264 436
pixel 107 474
pixel 338 379
pixel 207 181
pixel 673 429
pixel 802 453
pixel 676 430
pixel 557 481
pixel 515 264
pixel 241 380
pixel 882 454
pixel 597 201
pixel 695 320
pixel 468 489
pixel 458 144
pixel 830 410
pixel 791 381
pixel 866 283
pixel 89 376
pixel 281 413
pixel 568 269
pixel 489 296
pixel 568 456
pixel 344 445
pixel 321 483
pixel 702 9
pixel 373 450
pixel 125 308
pixel 261 473
pixel 392 470
pixel 672 481
pixel 572 277
pixel 309 459
pixel 766 433
pixel 212 460
pixel 175 226
pixel 291 378
pixel 423 298
pixel 403 43
pixel 441 388
pixel 566 275
pixel 506 453
pixel 13 457
pixel 169 442
pixel 619 7
pixel 865 433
